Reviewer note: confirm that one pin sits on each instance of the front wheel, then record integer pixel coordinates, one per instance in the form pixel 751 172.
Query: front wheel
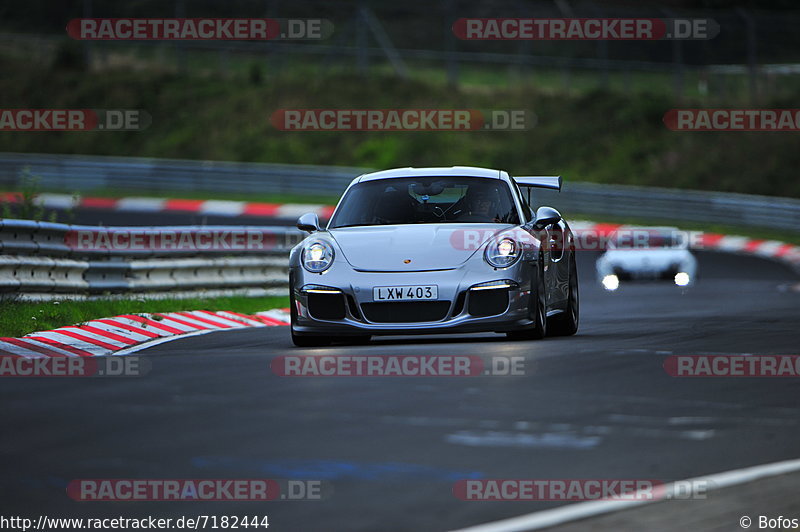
pixel 566 323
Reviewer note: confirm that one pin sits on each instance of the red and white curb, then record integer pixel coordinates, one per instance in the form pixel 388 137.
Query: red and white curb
pixel 206 207
pixel 727 243
pixel 741 245
pixel 123 334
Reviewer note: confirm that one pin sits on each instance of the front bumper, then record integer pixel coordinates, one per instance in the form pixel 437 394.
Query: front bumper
pixel 350 309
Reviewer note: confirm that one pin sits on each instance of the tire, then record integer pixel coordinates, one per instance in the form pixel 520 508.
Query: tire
pixel 539 328
pixel 302 341
pixel 566 324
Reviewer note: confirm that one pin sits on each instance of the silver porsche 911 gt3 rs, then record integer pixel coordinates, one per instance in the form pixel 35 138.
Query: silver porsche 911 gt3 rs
pixel 434 251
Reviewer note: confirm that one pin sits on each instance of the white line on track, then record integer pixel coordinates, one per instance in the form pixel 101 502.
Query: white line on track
pixel 584 510
pixel 158 341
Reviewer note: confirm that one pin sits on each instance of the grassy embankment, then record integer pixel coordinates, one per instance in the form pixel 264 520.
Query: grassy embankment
pixel 585 135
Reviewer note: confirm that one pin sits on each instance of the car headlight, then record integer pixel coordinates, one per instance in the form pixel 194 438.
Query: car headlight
pixel 502 253
pixel 317 256
pixel 682 279
pixel 496 285
pixel 610 282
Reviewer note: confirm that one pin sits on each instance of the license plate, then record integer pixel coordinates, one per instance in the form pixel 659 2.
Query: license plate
pixel 405 293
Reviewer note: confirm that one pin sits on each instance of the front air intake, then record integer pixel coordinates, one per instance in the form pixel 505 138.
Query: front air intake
pixel 406 312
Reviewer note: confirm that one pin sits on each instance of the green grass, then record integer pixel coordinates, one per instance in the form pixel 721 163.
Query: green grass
pixel 20 318
pixel 471 76
pixel 583 133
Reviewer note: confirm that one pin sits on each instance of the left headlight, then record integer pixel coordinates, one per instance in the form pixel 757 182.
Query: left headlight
pixel 317 256
pixel 502 253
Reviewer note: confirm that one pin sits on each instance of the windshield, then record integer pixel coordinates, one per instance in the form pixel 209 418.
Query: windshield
pixel 419 200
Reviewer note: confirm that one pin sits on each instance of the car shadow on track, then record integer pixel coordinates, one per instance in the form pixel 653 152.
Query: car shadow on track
pixel 417 340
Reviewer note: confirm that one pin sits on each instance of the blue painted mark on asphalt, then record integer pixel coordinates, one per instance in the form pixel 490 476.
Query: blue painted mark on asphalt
pixel 333 469
pixel 519 439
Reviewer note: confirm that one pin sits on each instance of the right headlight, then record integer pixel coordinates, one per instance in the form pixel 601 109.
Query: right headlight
pixel 317 256
pixel 502 252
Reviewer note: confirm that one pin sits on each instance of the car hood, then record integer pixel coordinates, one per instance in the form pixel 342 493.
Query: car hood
pixel 386 248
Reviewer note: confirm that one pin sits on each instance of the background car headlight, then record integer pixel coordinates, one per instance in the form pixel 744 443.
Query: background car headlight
pixel 682 279
pixel 317 256
pixel 610 282
pixel 502 253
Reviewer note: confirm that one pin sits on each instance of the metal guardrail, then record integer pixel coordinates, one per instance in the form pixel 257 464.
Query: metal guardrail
pixel 78 173
pixel 35 258
pixel 85 173
pixel 676 205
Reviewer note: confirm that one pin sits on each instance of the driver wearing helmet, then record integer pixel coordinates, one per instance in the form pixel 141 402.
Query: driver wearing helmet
pixel 481 206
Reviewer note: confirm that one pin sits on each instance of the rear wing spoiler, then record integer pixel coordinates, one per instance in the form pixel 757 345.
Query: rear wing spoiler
pixel 540 181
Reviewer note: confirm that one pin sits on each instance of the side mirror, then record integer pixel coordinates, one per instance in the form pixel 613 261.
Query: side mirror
pixel 309 222
pixel 546 216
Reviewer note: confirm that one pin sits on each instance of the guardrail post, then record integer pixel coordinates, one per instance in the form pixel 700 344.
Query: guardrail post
pixel 87 44
pixel 451 43
pixel 752 62
pixel 362 57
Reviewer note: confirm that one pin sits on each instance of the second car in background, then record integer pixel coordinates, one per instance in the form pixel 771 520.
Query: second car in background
pixel 647 253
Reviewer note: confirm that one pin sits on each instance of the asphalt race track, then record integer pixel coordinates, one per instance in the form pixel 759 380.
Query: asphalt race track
pixel 597 405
